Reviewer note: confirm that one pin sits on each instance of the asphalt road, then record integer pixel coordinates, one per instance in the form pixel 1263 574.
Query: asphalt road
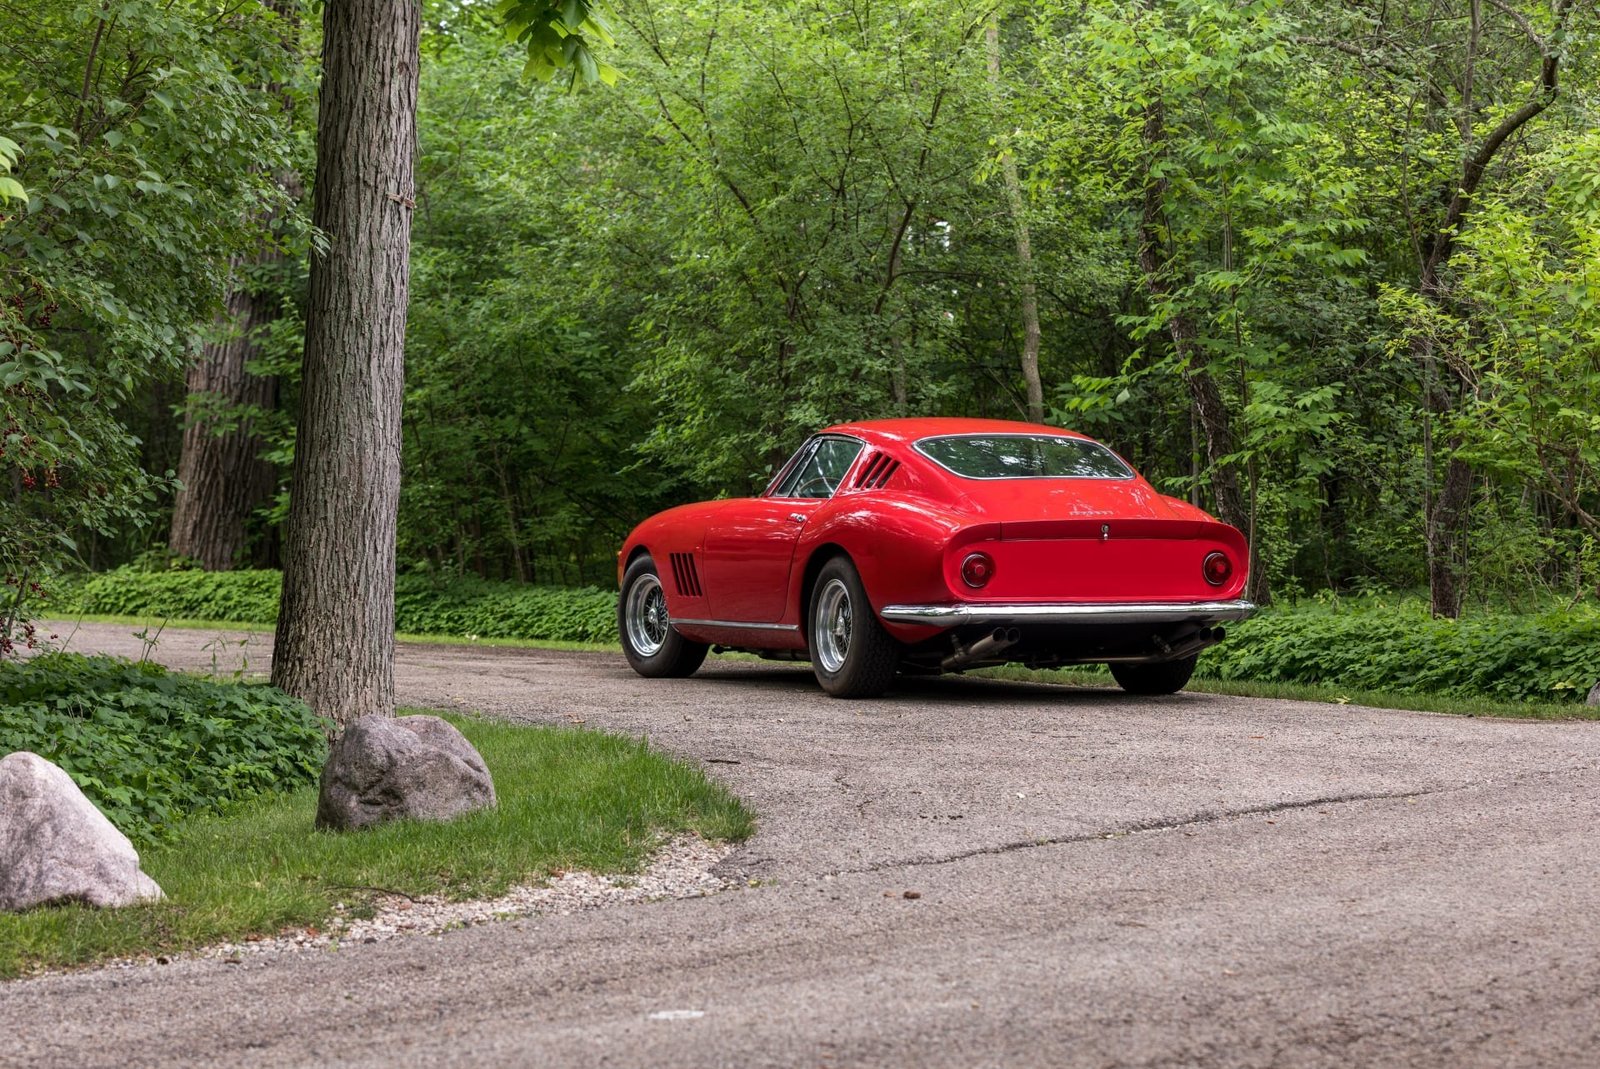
pixel 1103 881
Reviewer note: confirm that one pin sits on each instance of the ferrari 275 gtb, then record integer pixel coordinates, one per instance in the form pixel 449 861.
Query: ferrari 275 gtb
pixel 937 545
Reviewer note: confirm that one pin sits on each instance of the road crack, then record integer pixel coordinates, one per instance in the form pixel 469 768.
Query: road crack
pixel 1153 827
pixel 1202 819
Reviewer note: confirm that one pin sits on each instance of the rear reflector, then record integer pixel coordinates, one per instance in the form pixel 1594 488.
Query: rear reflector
pixel 977 569
pixel 1217 568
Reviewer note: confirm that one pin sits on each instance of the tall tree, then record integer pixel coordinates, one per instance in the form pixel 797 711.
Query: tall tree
pixel 1165 277
pixel 137 151
pixel 1029 303
pixel 223 475
pixel 1446 386
pixel 335 634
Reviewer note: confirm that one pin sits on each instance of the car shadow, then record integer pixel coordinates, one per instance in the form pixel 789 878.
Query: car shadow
pixel 952 688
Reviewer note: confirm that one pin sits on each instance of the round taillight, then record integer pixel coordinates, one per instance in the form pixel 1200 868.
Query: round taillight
pixel 977 569
pixel 1217 568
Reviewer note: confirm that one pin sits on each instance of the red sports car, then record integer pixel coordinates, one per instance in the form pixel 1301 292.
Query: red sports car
pixel 936 545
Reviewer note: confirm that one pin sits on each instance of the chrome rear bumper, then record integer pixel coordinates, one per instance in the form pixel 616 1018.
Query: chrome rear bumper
pixel 1087 613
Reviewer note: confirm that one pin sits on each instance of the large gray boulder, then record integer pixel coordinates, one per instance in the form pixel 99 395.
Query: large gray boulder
pixel 1594 695
pixel 56 847
pixel 384 768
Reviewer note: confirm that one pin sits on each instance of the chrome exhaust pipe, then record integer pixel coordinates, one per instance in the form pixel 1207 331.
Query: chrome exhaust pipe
pixel 1002 638
pixel 1165 651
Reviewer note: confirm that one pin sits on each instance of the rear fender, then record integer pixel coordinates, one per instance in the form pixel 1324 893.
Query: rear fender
pixel 897 544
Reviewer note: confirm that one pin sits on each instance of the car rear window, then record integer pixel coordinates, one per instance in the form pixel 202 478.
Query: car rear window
pixel 1024 456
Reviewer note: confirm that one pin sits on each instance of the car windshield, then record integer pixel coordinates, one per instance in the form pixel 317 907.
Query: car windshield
pixel 1024 456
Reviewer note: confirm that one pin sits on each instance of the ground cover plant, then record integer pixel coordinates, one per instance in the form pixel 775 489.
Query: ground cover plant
pixel 149 746
pixel 1375 644
pixel 423 605
pixel 568 799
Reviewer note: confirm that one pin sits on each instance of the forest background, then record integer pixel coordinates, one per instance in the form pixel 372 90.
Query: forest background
pixel 1329 269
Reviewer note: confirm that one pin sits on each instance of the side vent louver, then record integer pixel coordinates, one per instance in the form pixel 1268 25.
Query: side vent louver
pixel 686 576
pixel 877 472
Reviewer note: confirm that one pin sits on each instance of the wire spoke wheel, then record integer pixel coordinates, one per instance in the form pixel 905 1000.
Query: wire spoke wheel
pixel 646 616
pixel 652 645
pixel 831 625
pixel 851 653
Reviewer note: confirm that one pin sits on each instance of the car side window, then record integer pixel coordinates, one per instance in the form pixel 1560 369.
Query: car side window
pixel 820 474
pixel 789 475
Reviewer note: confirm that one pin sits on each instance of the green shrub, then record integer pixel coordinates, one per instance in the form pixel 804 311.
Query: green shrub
pixel 423 606
pixel 1385 647
pixel 149 746
pixel 249 597
pixel 505 610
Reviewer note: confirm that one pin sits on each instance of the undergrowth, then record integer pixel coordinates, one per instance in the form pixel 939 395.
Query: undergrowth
pixel 423 605
pixel 149 746
pixel 1396 646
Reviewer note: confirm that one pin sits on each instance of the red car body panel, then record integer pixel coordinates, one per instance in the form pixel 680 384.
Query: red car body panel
pixel 735 572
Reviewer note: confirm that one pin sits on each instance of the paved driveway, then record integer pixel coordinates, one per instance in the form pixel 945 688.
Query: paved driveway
pixel 1102 881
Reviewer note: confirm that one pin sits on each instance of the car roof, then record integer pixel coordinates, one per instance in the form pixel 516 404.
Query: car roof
pixel 911 430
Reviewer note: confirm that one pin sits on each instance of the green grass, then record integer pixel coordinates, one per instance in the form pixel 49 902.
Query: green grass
pixel 1089 676
pixel 568 799
pixel 63 627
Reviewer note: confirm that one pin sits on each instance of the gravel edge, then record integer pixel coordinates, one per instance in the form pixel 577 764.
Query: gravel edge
pixel 683 867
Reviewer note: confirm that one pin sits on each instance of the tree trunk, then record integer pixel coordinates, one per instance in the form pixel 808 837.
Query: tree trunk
pixel 1210 408
pixel 1030 296
pixel 335 637
pixel 224 478
pixel 1447 514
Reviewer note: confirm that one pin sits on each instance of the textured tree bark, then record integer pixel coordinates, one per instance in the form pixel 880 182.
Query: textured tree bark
pixel 1210 408
pixel 224 478
pixel 1446 531
pixel 1030 295
pixel 335 637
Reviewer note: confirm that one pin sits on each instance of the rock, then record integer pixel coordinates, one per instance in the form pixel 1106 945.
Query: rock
pixel 384 768
pixel 56 847
pixel 1594 695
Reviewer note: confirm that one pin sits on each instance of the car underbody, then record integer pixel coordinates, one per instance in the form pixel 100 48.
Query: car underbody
pixel 1049 635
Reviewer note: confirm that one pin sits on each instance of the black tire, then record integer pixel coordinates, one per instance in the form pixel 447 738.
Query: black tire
pixel 851 654
pixel 1163 677
pixel 649 641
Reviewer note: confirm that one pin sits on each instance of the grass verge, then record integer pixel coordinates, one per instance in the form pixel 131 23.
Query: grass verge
pixel 63 627
pixel 1316 692
pixel 569 799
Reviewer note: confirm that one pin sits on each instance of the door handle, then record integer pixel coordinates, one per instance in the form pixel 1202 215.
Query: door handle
pixel 798 517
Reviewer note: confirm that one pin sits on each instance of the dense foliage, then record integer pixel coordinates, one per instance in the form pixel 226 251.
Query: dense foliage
pixel 137 146
pixel 423 606
pixel 246 596
pixel 1369 645
pixel 480 609
pixel 788 214
pixel 149 746
pixel 1326 269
